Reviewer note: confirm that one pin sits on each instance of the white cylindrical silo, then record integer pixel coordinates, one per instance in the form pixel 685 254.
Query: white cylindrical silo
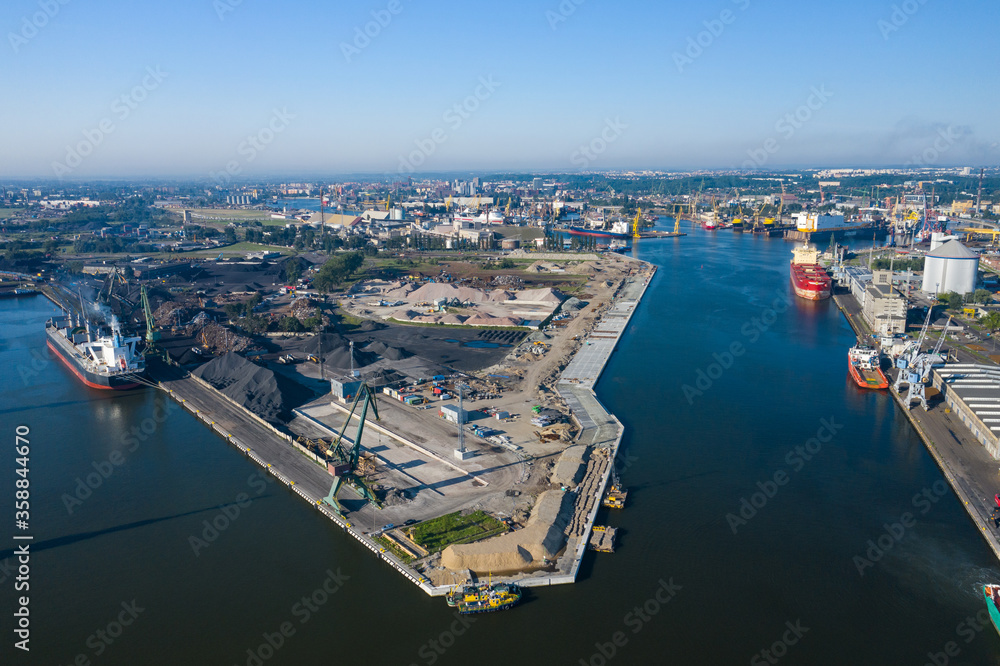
pixel 951 267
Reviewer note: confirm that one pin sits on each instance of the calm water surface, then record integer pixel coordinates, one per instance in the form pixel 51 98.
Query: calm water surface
pixel 768 416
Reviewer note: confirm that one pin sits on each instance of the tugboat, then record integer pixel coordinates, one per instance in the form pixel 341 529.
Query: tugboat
pixel 484 598
pixel 863 363
pixel 992 595
pixel 615 497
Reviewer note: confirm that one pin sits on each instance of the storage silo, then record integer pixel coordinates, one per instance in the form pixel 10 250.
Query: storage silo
pixel 950 267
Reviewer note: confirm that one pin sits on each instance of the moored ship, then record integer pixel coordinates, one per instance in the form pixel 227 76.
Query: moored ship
pixel 484 598
pixel 992 594
pixel 619 229
pixel 809 279
pixel 864 365
pixel 109 361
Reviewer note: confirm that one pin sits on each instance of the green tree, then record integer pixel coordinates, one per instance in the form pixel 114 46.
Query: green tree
pixel 291 325
pixel 337 269
pixel 982 296
pixel 991 321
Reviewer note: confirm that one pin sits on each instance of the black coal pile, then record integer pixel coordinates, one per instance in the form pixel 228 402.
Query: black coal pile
pixel 369 325
pixel 387 351
pixel 336 352
pixel 268 395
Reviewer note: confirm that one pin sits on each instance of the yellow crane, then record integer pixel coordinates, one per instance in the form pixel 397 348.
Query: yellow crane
pixel 447 204
pixel 635 223
pixel 769 221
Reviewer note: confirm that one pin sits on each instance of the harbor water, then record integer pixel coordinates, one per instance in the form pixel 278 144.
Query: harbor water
pixel 776 513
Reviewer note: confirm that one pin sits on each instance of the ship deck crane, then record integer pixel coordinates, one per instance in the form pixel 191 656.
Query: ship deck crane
pixel 344 461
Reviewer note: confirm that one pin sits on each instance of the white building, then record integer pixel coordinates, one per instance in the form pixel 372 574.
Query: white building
pixel 950 267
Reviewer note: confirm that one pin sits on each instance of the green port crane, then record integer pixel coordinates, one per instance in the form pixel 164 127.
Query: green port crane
pixel 344 461
pixel 152 332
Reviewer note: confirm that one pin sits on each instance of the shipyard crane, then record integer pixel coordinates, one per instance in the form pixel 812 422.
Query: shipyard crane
pixel 343 460
pixel 911 352
pixel 152 332
pixel 635 223
pixel 768 221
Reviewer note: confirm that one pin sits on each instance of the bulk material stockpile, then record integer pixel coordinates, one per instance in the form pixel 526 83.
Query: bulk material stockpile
pixel 271 397
pixel 525 549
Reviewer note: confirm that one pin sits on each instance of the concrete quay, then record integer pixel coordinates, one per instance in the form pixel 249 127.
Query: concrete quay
pixel 972 472
pixel 273 450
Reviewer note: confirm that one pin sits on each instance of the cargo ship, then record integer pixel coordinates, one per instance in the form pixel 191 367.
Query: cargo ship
pixel 809 279
pixel 992 594
pixel 484 598
pixel 864 364
pixel 110 361
pixel 619 229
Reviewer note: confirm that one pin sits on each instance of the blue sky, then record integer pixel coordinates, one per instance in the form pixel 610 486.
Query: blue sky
pixel 176 89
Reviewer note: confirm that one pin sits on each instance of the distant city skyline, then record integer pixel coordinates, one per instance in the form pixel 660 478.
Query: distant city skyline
pixel 231 90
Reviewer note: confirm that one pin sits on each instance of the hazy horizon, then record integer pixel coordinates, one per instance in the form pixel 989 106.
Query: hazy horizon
pixel 241 90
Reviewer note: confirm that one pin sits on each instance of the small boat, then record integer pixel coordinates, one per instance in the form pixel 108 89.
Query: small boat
pixel 864 364
pixel 484 598
pixel 992 595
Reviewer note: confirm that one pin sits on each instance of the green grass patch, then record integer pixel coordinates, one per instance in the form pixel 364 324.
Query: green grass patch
pixel 439 533
pixel 403 556
pixel 7 212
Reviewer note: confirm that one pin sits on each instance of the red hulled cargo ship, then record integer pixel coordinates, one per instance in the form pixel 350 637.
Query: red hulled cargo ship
pixel 809 279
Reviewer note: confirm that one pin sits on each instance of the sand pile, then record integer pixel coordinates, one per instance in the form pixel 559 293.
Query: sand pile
pixel 571 466
pixel 266 394
pixel 432 291
pixel 542 538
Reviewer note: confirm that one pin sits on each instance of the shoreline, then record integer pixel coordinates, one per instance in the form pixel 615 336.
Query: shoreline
pixel 958 472
pixel 599 430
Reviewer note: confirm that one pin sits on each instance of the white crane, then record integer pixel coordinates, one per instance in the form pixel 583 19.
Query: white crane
pixel 911 352
pixel 920 371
